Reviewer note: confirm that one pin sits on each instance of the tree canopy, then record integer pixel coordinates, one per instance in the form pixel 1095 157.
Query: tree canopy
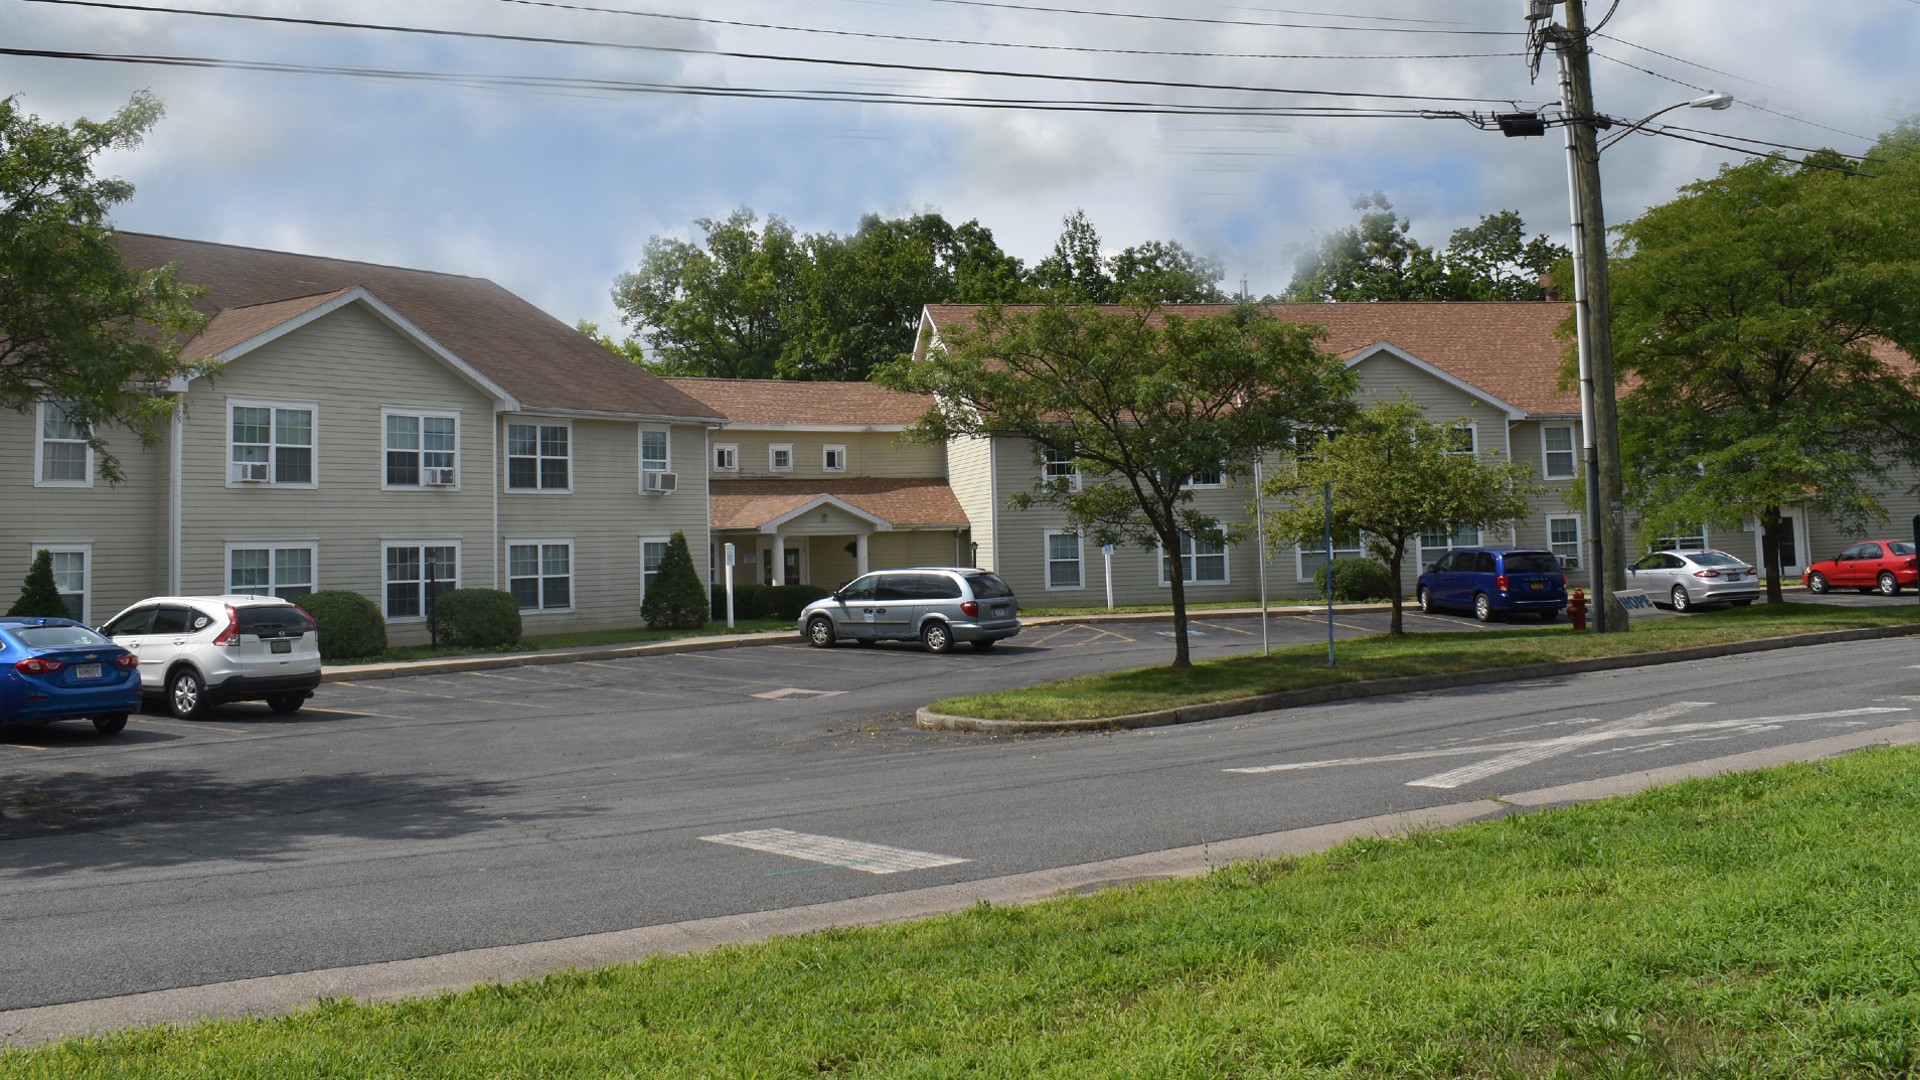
pixel 1378 259
pixel 77 326
pixel 1766 321
pixel 1140 402
pixel 1395 475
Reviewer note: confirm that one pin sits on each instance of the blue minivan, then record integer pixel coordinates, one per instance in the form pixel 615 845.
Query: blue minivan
pixel 1495 581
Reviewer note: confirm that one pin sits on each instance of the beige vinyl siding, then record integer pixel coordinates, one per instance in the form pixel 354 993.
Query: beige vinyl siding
pixel 970 476
pixel 869 453
pixel 933 547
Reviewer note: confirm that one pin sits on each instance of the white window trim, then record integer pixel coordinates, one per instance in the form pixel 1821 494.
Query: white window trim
pixel 775 448
pixel 1047 560
pixel 273 465
pixel 1072 475
pixel 1358 551
pixel 1226 566
pixel 644 541
pixel 40 447
pixel 730 449
pixel 1579 539
pixel 1420 549
pixel 313 560
pixel 459 562
pixel 573 570
pixel 506 459
pixel 1191 485
pixel 422 415
pixel 1546 459
pixel 1472 428
pixel 826 457
pixel 85 548
pixel 666 464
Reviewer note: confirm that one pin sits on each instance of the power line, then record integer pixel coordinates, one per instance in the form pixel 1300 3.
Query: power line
pixel 1744 104
pixel 1005 6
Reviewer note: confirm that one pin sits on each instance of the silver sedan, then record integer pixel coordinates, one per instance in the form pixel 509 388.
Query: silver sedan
pixel 1687 578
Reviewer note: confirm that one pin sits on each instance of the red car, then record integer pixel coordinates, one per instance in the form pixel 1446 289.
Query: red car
pixel 1870 565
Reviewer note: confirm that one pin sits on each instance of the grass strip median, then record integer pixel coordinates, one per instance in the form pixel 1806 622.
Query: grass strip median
pixel 1758 924
pixel 1297 667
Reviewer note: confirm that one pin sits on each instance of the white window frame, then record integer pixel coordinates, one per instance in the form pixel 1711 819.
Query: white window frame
pixel 273 548
pixel 645 574
pixel 1189 561
pixel 1301 572
pixel 1572 452
pixel 1453 541
pixel 507 457
pixel 1057 465
pixel 1694 541
pixel 826 457
pixel 665 462
pixel 40 441
pixel 420 546
pixel 774 451
pixel 540 577
pixel 1079 560
pixel 726 457
pixel 1472 429
pixel 82 548
pixel 1573 562
pixel 273 445
pixel 1193 483
pixel 420 453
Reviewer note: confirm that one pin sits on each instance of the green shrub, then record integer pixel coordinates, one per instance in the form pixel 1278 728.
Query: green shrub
pixel 674 600
pixel 1356 580
pixel 477 618
pixel 39 594
pixel 766 601
pixel 351 627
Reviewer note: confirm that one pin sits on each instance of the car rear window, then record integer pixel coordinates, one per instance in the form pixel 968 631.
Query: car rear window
pixel 1531 562
pixel 1901 547
pixel 273 619
pixel 1714 558
pixel 57 637
pixel 988 586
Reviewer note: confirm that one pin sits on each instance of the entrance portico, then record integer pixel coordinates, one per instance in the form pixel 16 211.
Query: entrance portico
pixel 794 532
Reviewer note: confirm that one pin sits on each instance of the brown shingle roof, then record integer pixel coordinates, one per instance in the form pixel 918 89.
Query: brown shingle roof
pixel 782 401
pixel 1506 349
pixel 913 503
pixel 540 360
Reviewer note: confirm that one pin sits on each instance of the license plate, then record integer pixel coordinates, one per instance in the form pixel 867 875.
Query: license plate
pixel 86 671
pixel 280 646
pixel 1536 586
pixel 1001 610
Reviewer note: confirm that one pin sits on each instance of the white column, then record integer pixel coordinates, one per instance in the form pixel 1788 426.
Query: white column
pixel 779 560
pixel 859 554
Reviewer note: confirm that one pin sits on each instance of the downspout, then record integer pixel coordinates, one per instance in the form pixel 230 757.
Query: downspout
pixel 499 480
pixel 175 513
pixel 993 499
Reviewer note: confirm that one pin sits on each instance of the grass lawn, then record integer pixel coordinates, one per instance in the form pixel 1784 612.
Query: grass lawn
pixel 1759 925
pixel 633 635
pixel 1298 666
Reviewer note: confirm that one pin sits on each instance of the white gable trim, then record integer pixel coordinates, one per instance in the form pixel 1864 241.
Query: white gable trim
pixel 1513 412
pixel 879 523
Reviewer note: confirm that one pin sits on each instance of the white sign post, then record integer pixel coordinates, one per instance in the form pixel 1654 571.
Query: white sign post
pixel 729 561
pixel 1106 552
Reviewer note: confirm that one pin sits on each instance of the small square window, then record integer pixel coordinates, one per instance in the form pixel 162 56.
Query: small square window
pixel 780 457
pixel 834 459
pixel 726 457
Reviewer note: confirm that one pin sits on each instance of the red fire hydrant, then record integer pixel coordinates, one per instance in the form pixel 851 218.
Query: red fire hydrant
pixel 1577 609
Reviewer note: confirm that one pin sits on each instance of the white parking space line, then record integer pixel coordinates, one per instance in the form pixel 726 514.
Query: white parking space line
pixel 457 697
pixel 797 692
pixel 20 746
pixel 190 725
pixel 357 713
pixel 833 851
pixel 1541 751
pixel 1222 626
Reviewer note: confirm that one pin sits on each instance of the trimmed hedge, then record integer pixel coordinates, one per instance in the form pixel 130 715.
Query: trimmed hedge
pixel 1356 580
pixel 39 594
pixel 476 618
pixel 351 627
pixel 766 601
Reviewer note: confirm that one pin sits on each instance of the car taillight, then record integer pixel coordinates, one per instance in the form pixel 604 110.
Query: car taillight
pixel 126 662
pixel 36 665
pixel 231 635
pixel 1706 573
pixel 971 608
pixel 1563 579
pixel 1500 582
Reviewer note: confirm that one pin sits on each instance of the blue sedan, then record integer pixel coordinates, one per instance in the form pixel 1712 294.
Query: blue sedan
pixel 58 669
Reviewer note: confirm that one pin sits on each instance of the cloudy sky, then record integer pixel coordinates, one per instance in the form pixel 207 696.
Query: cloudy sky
pixel 543 143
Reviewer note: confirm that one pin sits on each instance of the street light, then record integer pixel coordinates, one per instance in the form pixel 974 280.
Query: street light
pixel 1714 100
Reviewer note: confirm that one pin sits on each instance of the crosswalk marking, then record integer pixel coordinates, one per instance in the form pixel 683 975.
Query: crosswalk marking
pixel 833 851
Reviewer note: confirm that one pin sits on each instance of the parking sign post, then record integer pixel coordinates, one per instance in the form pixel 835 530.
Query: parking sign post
pixel 729 562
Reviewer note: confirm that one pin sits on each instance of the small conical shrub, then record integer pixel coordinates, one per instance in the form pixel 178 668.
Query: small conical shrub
pixel 39 596
pixel 676 600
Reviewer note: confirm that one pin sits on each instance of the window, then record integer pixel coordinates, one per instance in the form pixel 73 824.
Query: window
pixel 1063 560
pixel 653 549
pixel 282 570
pixel 834 458
pixel 72 570
pixel 1694 538
pixel 1313 557
pixel 1462 439
pixel 1059 465
pixel 726 456
pixel 1563 539
pixel 1557 441
pixel 421 449
pixel 539 457
pixel 414 572
pixel 540 574
pixel 1306 441
pixel 270 443
pixel 61 454
pixel 1213 477
pixel 1444 539
pixel 1203 561
pixel 653 450
pixel 780 457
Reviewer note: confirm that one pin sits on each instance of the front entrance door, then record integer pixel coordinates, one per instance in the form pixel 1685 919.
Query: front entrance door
pixel 1793 541
pixel 791 564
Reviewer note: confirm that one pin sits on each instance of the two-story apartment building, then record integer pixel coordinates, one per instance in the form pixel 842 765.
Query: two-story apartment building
pixel 379 429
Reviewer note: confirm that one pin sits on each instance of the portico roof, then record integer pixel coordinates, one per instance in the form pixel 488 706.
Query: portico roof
pixel 888 502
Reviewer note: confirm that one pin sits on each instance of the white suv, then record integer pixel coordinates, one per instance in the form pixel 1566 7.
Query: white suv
pixel 199 651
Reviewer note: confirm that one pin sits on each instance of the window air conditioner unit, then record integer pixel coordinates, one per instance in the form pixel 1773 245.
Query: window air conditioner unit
pixel 439 477
pixel 250 472
pixel 663 482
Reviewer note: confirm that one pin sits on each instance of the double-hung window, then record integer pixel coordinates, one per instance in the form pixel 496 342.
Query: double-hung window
pixel 62 456
pixel 653 450
pixel 1208 478
pixel 422 449
pixel 1557 444
pixel 780 457
pixel 1436 541
pixel 1063 560
pixel 1058 464
pixel 540 574
pixel 539 457
pixel 270 443
pixel 653 549
pixel 1313 556
pixel 1463 439
pixel 271 569
pixel 416 572
pixel 1202 561
pixel 1693 538
pixel 72 572
pixel 1563 539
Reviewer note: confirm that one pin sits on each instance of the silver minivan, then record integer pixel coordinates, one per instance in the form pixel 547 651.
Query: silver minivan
pixel 934 605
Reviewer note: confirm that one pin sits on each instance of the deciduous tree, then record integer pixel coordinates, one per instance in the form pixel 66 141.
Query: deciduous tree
pixel 1378 259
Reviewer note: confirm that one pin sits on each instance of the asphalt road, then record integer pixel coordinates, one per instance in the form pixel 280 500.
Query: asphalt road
pixel 421 816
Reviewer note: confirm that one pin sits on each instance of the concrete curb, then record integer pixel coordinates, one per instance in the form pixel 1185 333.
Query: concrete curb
pixel 1404 684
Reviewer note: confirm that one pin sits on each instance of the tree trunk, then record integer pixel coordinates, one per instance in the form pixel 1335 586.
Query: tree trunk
pixel 1770 551
pixel 1181 658
pixel 1394 625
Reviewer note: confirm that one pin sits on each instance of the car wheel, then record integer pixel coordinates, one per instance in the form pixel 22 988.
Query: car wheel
pixel 820 631
pixel 1424 598
pixel 286 703
pixel 185 692
pixel 1550 614
pixel 983 646
pixel 1482 607
pixel 936 637
pixel 1816 583
pixel 111 724
pixel 1889 585
pixel 1681 601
